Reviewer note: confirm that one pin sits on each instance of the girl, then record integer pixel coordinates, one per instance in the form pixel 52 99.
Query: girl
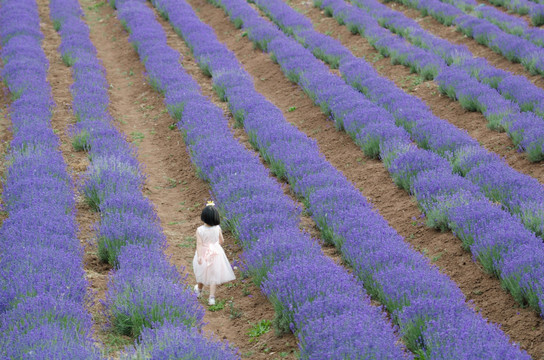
pixel 210 264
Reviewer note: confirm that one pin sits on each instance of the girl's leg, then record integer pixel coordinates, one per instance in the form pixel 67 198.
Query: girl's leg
pixel 198 289
pixel 211 300
pixel 212 291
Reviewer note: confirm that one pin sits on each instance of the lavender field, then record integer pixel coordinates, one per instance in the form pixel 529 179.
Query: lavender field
pixel 377 167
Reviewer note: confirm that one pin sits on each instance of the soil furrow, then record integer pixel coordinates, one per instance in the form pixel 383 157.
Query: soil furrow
pixel 172 185
pixel 5 139
pixel 523 325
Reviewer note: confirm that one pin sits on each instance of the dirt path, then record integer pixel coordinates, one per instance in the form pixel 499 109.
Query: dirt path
pixel 523 325
pixel 442 106
pixel 172 184
pixel 5 139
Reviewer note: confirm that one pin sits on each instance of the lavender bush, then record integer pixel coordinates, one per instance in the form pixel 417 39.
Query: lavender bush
pixel 172 340
pixel 42 284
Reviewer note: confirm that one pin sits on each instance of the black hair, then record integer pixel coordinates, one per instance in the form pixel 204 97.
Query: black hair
pixel 210 215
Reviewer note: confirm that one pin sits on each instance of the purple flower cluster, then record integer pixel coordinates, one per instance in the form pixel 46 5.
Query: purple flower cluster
pixel 174 341
pixel 252 203
pixel 43 291
pixel 400 157
pixel 523 193
pixel 145 291
pixel 534 9
pixel 510 24
pixel 507 43
pixel 519 7
pixel 472 81
pixel 515 48
pixel 523 7
pixel 387 266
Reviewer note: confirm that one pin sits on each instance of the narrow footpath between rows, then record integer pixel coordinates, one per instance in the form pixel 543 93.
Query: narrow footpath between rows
pixel 5 139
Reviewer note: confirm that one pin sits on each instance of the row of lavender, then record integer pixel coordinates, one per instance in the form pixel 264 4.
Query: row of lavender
pixel 343 214
pixel 517 49
pixel 508 23
pixel 517 88
pixel 311 294
pixel 471 81
pixel 43 291
pixel 515 191
pixel 443 196
pixel 146 294
pixel 522 7
pixel 446 14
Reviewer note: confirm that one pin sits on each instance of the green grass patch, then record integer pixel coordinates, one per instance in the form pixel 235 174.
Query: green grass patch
pixel 258 329
pixel 219 305
pixel 80 142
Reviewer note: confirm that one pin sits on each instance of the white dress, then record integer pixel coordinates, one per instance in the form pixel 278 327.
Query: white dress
pixel 215 267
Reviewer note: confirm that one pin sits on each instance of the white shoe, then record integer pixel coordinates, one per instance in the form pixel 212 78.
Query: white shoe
pixel 197 291
pixel 211 301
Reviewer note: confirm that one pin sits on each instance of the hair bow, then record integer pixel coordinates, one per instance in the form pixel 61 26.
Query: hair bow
pixel 210 203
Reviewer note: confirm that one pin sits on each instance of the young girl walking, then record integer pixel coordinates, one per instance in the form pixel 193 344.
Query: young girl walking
pixel 210 264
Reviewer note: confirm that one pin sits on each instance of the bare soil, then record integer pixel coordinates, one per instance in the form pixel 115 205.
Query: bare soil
pixel 522 325
pixel 5 139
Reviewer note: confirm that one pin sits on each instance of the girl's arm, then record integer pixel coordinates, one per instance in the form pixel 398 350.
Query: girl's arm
pixel 221 240
pixel 199 246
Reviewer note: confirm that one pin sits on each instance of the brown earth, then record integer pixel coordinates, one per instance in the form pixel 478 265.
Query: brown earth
pixel 522 325
pixel 172 184
pixel 5 139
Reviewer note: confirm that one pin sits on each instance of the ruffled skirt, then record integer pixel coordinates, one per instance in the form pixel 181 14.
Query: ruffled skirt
pixel 215 267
